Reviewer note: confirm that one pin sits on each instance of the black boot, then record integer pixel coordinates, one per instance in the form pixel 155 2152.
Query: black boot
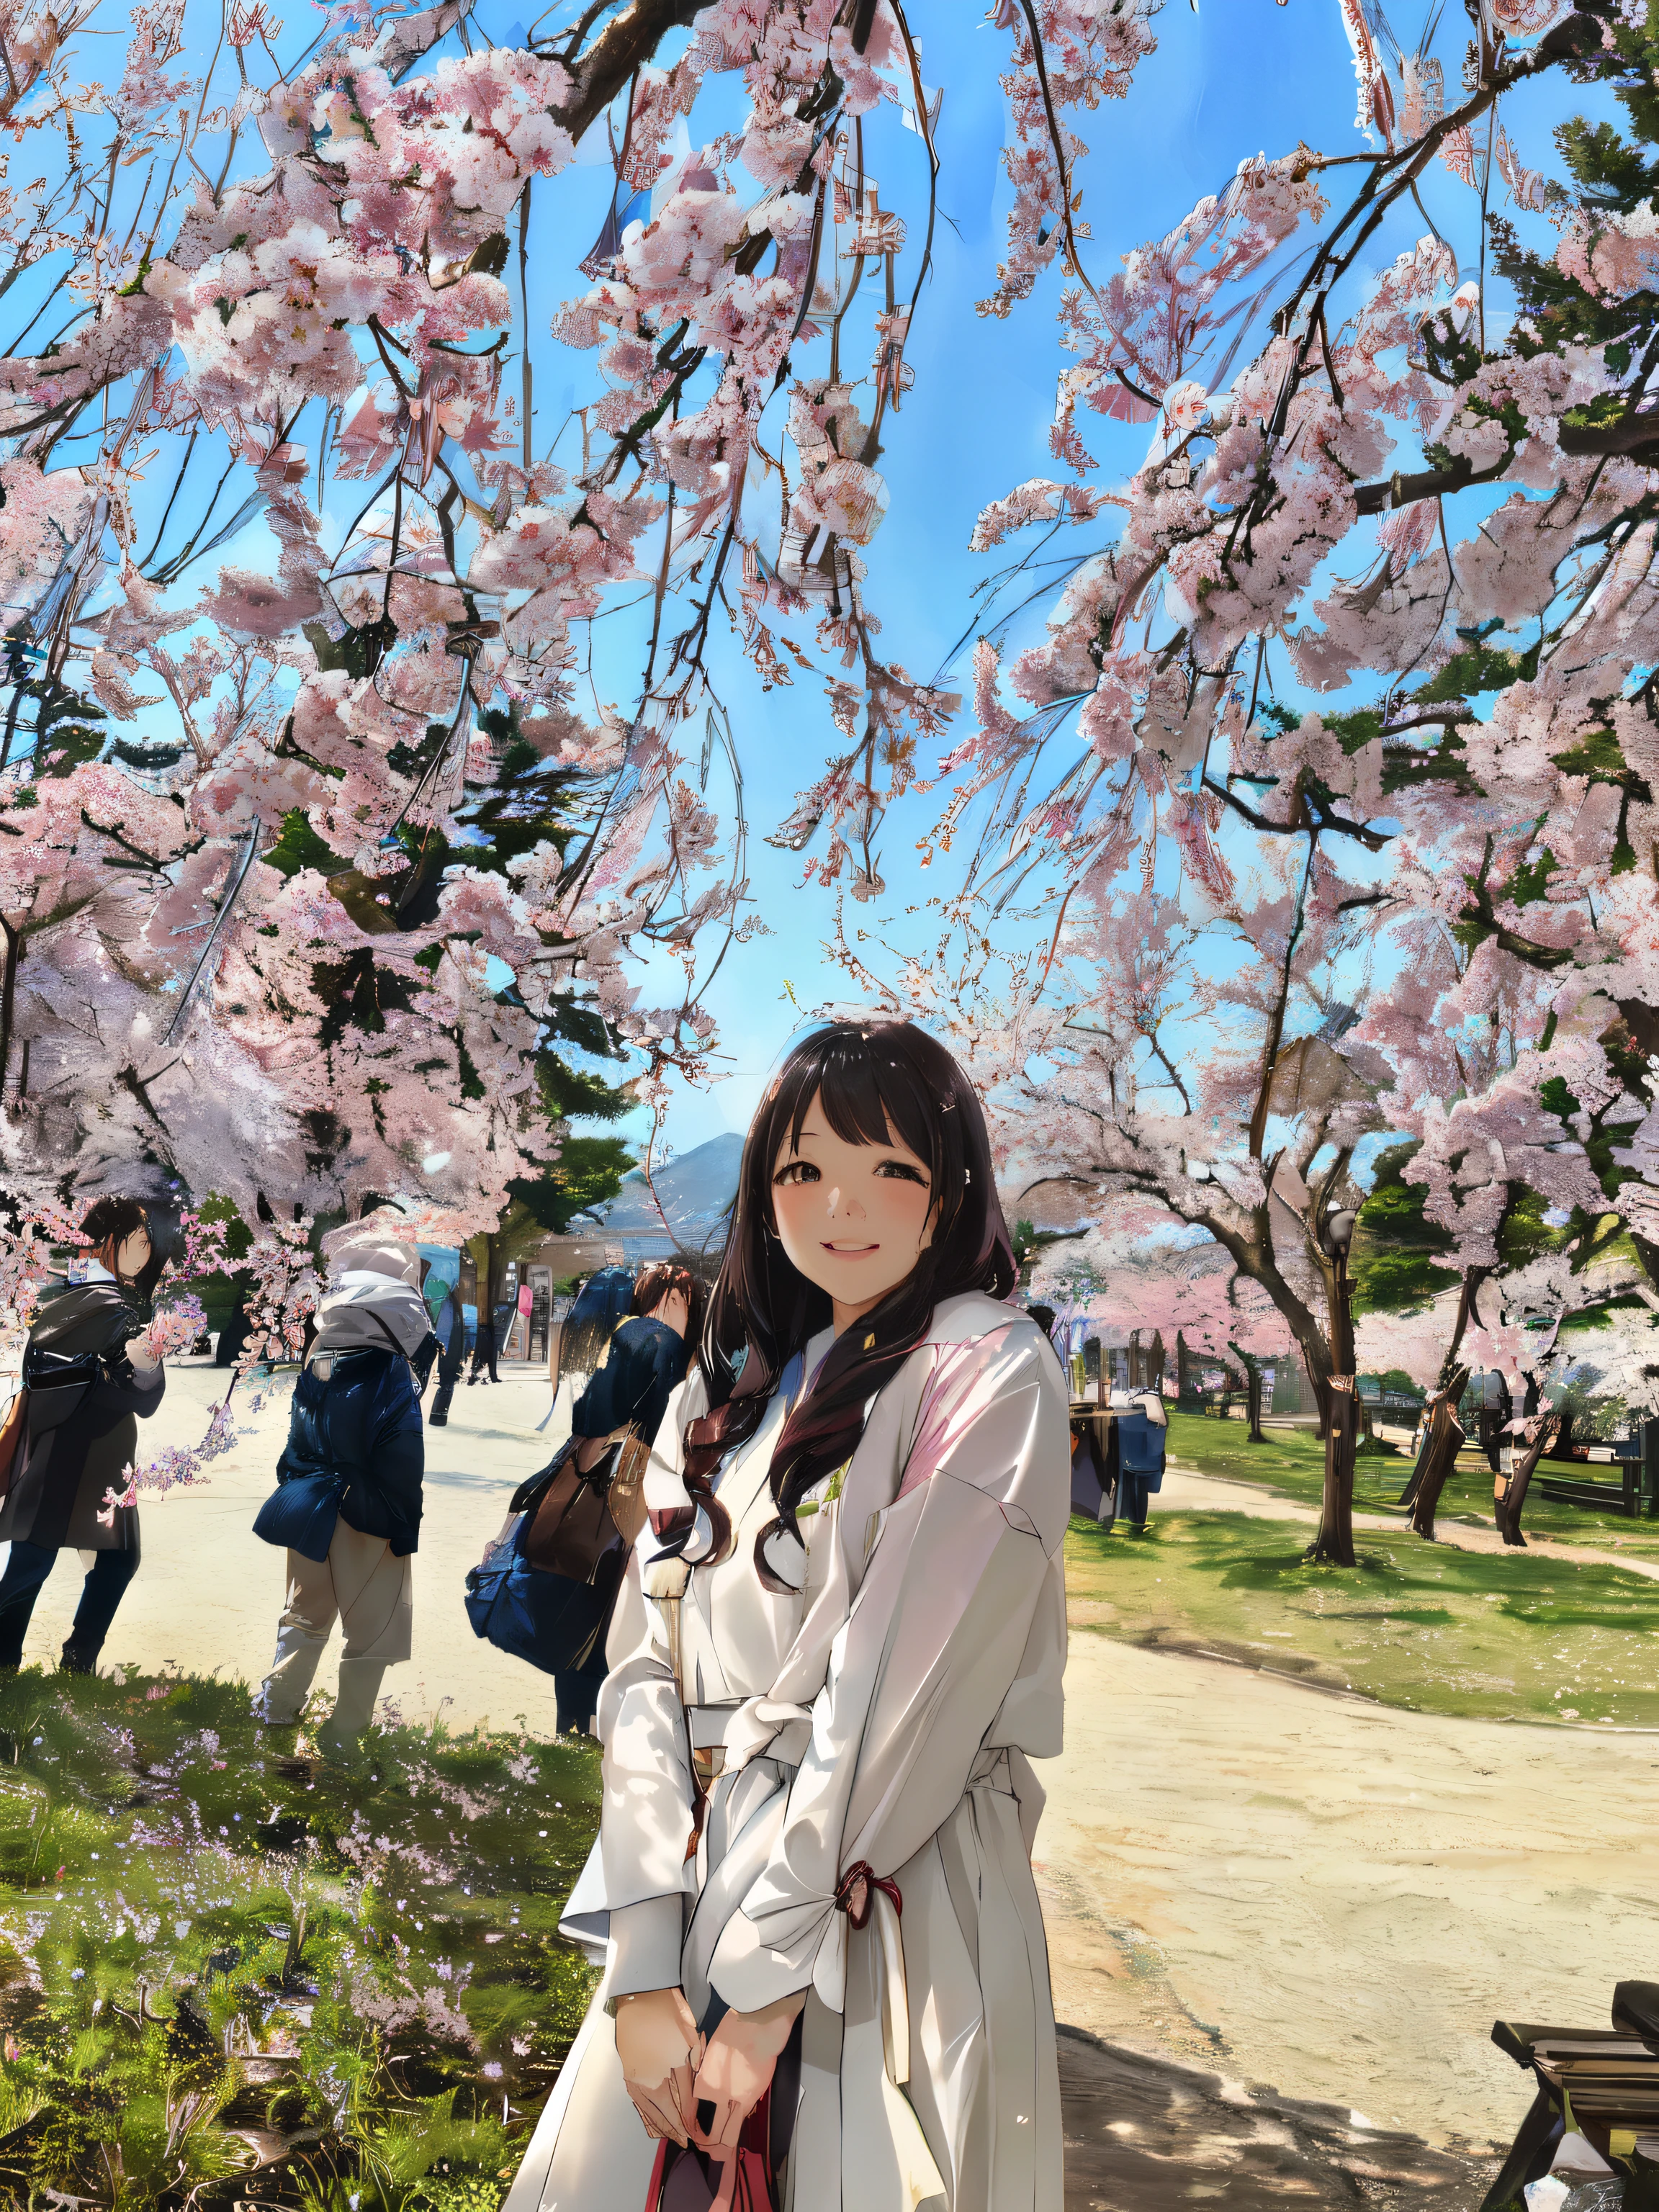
pixel 75 1661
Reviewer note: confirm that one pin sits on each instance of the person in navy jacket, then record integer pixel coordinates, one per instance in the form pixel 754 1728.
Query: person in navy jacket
pixel 645 1363
pixel 347 1502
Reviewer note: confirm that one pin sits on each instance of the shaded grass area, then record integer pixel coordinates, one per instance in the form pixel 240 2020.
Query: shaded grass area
pixel 1518 1637
pixel 227 1974
pixel 1292 1462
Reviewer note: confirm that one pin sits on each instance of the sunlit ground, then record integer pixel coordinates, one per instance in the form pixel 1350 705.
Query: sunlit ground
pixel 228 1969
pixel 1291 1463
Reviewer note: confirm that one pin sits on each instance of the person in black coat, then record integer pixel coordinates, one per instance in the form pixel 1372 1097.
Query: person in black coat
pixel 645 1362
pixel 347 1505
pixel 91 1379
pixel 234 1334
pixel 492 1329
pixel 451 1353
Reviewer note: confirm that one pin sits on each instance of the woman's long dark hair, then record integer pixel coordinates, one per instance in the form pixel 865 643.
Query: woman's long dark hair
pixel 877 1081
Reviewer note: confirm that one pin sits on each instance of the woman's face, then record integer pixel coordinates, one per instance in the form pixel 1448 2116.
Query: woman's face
pixel 852 1217
pixel 131 1255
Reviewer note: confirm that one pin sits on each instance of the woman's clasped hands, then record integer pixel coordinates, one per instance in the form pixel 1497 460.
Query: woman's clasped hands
pixel 660 2051
pixel 669 2069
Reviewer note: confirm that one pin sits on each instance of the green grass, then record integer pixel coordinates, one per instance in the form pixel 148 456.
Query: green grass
pixel 1292 1462
pixel 229 1975
pixel 1517 1635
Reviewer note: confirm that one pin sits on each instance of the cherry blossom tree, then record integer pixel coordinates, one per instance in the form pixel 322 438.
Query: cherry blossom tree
pixel 1277 925
pixel 1319 813
pixel 1185 1293
pixel 320 845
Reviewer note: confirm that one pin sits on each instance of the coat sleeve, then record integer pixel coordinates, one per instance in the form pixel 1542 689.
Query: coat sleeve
pixel 131 1391
pixel 951 1648
pixel 397 1461
pixel 646 1792
pixel 607 1403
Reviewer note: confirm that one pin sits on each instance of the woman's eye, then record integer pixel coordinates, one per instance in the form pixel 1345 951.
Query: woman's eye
pixel 798 1171
pixel 899 1170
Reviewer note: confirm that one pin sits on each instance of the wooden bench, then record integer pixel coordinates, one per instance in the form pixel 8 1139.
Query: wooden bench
pixel 1623 1495
pixel 1604 2083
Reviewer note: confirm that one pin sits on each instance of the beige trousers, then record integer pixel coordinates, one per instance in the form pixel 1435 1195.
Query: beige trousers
pixel 362 1586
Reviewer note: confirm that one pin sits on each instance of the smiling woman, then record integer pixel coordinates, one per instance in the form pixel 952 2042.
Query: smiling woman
pixel 838 1647
pixel 854 1217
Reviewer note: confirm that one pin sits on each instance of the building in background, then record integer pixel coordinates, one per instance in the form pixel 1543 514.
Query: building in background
pixel 529 1289
pixel 697 1192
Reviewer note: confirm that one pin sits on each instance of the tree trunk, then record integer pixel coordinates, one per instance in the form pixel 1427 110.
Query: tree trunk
pixel 1513 1490
pixel 484 1351
pixel 9 996
pixel 1468 1310
pixel 1322 1397
pixel 1334 1542
pixel 1253 1391
pixel 1436 1459
pixel 1252 1254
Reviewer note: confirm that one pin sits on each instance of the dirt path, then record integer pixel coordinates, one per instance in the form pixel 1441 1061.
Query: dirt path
pixel 1185 1488
pixel 1336 1898
pixel 1144 2136
pixel 1270 1885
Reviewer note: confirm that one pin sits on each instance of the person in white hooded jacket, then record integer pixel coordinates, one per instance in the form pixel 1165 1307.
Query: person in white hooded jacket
pixel 348 1501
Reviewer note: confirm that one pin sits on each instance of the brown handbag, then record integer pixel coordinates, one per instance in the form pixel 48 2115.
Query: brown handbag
pixel 13 1432
pixel 579 1519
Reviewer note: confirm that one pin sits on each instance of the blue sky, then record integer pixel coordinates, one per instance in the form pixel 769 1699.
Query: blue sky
pixel 1232 79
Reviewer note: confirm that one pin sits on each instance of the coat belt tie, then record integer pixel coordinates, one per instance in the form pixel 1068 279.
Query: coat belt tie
pixel 862 1871
pixel 882 1899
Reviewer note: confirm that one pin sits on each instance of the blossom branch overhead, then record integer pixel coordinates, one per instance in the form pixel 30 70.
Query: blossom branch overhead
pixel 290 824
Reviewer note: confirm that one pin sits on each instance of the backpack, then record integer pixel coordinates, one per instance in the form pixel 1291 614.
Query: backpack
pixel 544 1589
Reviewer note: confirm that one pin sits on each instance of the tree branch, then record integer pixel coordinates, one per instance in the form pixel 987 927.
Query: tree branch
pixel 625 42
pixel 1372 840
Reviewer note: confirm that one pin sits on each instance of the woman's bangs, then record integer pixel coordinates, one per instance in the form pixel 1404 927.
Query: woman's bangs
pixel 872 1093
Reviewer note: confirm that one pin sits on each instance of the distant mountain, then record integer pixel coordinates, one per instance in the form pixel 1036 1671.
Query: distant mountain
pixel 695 1190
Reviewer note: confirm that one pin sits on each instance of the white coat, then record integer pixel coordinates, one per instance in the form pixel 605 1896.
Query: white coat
pixel 886 1712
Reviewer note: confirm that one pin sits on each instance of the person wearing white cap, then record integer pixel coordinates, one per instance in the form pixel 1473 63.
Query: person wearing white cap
pixel 348 1501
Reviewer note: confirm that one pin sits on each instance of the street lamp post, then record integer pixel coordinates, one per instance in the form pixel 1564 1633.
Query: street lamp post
pixel 1335 1542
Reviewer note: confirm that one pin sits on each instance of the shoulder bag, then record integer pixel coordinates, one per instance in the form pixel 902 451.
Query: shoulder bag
pixel 544 1589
